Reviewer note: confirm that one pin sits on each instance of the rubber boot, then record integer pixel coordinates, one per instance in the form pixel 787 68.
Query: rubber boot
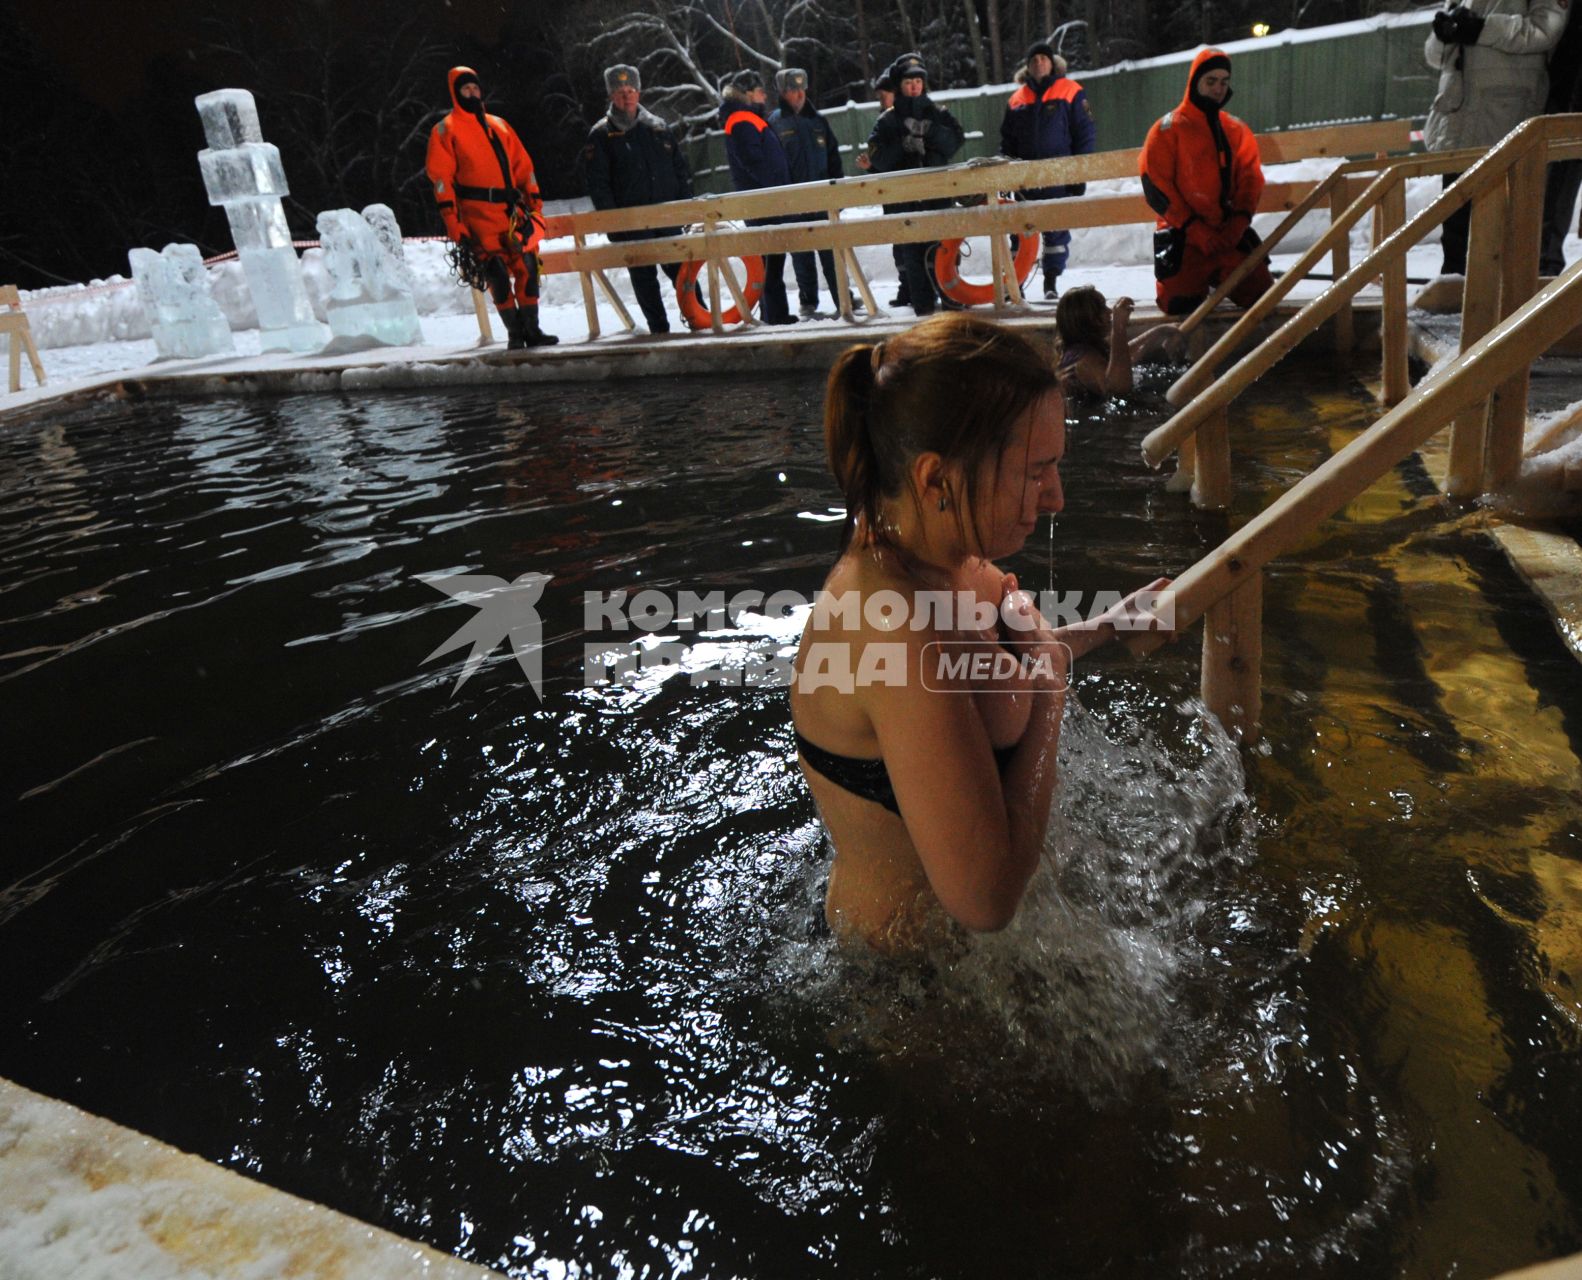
pixel 514 340
pixel 532 335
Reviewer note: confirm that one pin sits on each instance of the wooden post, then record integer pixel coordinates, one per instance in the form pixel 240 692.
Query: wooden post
pixel 1344 331
pixel 842 279
pixel 998 270
pixel 1232 680
pixel 711 225
pixel 1186 467
pixel 481 310
pixel 590 304
pixel 1211 487
pixel 1523 226
pixel 1394 376
pixel 1480 312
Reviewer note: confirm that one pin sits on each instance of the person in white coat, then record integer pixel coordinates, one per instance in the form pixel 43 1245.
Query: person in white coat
pixel 1491 56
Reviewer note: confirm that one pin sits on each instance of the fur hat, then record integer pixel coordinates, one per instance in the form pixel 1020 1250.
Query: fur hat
pixel 621 76
pixel 884 82
pixel 747 81
pixel 908 66
pixel 791 80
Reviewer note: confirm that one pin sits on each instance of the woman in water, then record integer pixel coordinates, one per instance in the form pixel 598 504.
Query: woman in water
pixel 1094 352
pixel 929 750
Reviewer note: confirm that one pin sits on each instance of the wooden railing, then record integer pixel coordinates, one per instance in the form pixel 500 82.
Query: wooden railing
pixel 18 335
pixel 1482 394
pixel 1505 187
pixel 825 202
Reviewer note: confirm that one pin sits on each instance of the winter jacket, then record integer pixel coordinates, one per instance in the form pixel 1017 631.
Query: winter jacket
pixel 1488 88
pixel 920 117
pixel 756 157
pixel 1200 165
pixel 809 143
pixel 638 165
pixel 1045 119
pixel 462 153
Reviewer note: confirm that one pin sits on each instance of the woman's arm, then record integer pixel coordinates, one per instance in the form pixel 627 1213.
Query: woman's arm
pixel 979 836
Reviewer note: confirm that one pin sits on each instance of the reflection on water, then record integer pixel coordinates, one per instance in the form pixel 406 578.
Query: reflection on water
pixel 544 983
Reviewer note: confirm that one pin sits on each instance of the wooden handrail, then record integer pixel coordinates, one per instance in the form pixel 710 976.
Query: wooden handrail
pixel 974 178
pixel 1504 352
pixel 1482 176
pixel 1020 218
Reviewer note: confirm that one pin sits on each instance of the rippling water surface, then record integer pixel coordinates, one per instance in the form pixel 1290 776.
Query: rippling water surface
pixel 541 981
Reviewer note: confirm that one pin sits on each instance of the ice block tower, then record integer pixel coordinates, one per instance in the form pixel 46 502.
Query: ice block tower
pixel 173 287
pixel 242 173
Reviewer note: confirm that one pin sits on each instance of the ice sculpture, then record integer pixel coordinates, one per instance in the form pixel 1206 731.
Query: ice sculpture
pixel 173 287
pixel 242 173
pixel 371 300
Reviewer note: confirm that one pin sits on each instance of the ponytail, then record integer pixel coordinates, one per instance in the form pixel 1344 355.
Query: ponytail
pixel 848 435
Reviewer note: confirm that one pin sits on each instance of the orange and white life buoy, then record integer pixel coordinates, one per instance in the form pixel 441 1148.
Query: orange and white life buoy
pixel 695 308
pixel 947 270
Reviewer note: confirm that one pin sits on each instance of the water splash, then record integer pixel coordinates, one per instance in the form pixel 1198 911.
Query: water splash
pixel 1081 991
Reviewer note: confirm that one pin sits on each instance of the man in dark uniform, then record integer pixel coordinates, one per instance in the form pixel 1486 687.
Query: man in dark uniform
pixel 884 91
pixel 915 133
pixel 757 161
pixel 814 156
pixel 631 158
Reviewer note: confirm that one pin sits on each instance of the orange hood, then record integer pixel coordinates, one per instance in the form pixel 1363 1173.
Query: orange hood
pixel 455 74
pixel 1190 98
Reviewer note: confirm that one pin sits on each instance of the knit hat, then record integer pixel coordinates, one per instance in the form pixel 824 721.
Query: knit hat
pixel 791 80
pixel 747 81
pixel 1219 62
pixel 1040 47
pixel 621 77
pixel 909 66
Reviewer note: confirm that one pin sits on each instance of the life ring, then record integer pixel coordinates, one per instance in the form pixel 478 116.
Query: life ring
pixel 695 309
pixel 947 270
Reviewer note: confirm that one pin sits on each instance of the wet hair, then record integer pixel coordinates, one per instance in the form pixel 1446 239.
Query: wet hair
pixel 954 385
pixel 1079 319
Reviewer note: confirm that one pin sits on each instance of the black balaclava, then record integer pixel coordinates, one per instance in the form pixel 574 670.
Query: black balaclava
pixel 461 82
pixel 1207 105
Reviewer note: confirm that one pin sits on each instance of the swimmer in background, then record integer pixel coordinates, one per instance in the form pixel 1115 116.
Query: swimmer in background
pixel 1095 354
pixel 935 788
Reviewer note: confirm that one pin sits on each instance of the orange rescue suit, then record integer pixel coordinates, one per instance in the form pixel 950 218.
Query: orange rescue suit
pixel 475 193
pixel 1203 177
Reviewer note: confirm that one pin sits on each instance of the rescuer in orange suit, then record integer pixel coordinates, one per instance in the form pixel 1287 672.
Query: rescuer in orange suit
pixel 1202 176
pixel 487 195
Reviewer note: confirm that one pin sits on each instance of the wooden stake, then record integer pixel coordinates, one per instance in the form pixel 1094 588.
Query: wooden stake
pixel 842 280
pixel 1212 488
pixel 1395 378
pixel 1480 312
pixel 1523 229
pixel 621 312
pixel 1232 679
pixel 1344 331
pixel 849 256
pixel 481 310
pixel 590 304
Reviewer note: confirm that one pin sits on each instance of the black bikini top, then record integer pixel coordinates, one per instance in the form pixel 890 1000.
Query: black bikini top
pixel 868 778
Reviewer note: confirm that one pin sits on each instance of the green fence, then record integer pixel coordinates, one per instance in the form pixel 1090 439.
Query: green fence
pixel 1354 71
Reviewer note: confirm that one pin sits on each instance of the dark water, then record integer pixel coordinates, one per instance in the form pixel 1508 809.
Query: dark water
pixel 540 982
